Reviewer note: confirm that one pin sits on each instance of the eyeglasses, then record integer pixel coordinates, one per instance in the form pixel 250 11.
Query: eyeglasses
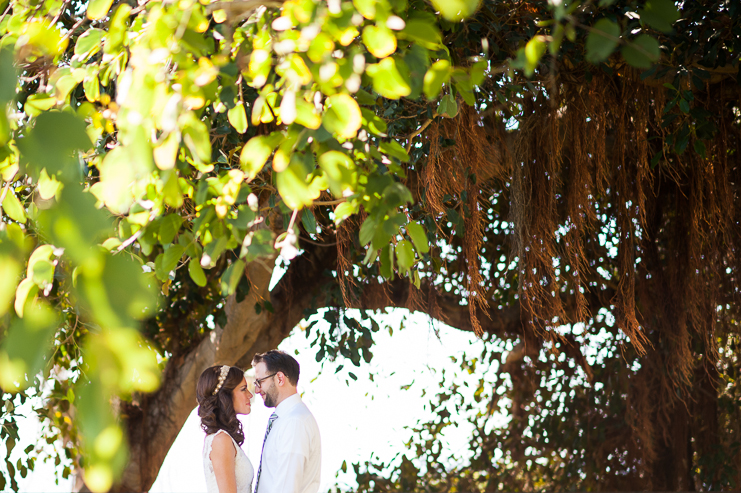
pixel 258 381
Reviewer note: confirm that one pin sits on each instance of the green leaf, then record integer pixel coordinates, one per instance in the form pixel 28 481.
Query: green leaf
pixel 437 75
pixel 64 85
pixel 117 172
pixel 43 252
pixel 556 39
pixel 8 79
pixel 419 237
pixel 684 106
pixel 396 194
pixel 256 152
pixel 416 61
pixel 169 227
pixel 238 118
pixel 320 48
pixel 478 71
pixel 456 10
pixel 213 251
pixel 13 207
pixel 117 29
pixel 365 98
pixel 292 186
pixel 196 138
pixel 4 127
pixel 387 80
pixel 91 85
pixel 306 114
pixel 40 267
pixel 171 192
pixel 643 52
pixel 38 103
pixel 41 36
pixel 309 221
pixel 447 107
pixel 379 40
pixel 169 261
pixel 340 171
pixel 27 346
pixel 343 117
pixel 387 229
pixel 196 272
pixel 659 14
pixel 366 7
pixel 422 32
pixel 89 43
pixel 367 230
pixel 602 40
pixel 111 243
pixel 395 150
pixel 25 292
pixel 52 142
pixel 534 50
pixel 700 148
pixel 97 9
pixel 43 273
pixel 231 277
pixel 10 269
pixel 260 245
pixel 404 255
pixel 345 210
pixel 373 122
pixel 465 89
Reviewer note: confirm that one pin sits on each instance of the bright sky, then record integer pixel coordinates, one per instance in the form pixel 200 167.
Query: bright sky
pixel 356 419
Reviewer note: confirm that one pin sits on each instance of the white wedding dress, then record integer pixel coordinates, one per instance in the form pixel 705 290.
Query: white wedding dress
pixel 243 469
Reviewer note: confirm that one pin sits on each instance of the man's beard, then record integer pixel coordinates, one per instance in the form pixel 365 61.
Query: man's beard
pixel 271 395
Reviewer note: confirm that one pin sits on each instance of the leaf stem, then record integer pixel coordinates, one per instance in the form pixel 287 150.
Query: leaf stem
pixel 329 202
pixel 419 131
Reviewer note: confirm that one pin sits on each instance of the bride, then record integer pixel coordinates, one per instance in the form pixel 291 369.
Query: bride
pixel 222 394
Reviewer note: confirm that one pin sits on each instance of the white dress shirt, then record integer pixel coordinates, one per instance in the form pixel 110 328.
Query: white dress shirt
pixel 292 455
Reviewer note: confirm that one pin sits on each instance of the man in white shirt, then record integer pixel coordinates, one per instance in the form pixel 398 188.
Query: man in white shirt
pixel 291 451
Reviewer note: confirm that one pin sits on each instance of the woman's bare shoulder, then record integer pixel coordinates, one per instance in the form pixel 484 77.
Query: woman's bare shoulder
pixel 222 444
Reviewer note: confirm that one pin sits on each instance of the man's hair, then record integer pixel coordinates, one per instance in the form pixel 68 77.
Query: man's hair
pixel 278 361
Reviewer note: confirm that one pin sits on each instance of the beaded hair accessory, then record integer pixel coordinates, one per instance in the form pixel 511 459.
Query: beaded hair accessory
pixel 222 376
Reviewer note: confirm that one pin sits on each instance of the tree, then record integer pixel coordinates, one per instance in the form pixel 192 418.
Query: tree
pixel 498 166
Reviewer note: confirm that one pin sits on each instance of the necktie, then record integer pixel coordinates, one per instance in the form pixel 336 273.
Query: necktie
pixel 272 419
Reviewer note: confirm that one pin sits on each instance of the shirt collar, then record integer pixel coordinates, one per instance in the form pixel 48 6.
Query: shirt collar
pixel 287 404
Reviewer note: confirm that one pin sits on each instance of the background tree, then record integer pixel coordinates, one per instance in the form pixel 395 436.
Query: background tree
pixel 510 174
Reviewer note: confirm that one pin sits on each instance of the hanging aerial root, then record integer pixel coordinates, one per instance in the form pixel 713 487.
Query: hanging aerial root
pixel 640 418
pixel 580 197
pixel 345 276
pixel 433 174
pixel 629 198
pixel 537 161
pixel 597 132
pixel 461 171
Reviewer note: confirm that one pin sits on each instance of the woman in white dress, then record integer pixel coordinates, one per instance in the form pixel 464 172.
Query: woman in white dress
pixel 222 394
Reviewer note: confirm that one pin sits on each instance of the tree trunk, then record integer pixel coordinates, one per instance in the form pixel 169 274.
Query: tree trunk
pixel 672 470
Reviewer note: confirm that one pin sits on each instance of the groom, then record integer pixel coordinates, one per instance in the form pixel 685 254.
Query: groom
pixel 291 450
